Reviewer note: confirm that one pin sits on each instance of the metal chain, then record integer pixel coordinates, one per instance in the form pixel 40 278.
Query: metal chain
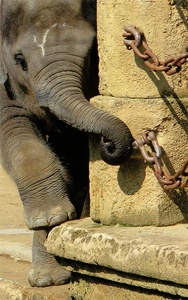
pixel 133 39
pixel 169 182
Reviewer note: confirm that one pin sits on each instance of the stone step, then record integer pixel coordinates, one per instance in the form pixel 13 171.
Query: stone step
pixel 147 258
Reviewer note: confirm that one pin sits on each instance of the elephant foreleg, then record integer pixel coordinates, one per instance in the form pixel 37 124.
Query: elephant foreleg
pixel 38 173
pixel 45 268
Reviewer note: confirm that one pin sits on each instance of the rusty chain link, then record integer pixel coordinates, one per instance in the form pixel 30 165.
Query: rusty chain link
pixel 169 182
pixel 133 39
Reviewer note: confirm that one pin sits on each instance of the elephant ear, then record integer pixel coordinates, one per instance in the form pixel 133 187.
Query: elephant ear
pixel 3 75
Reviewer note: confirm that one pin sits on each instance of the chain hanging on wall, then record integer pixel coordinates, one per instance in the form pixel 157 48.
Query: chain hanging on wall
pixel 133 39
pixel 168 181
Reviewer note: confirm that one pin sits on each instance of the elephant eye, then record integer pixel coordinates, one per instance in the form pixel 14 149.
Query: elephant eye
pixel 20 59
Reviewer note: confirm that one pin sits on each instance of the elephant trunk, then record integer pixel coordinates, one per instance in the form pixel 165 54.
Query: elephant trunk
pixel 62 95
pixel 76 111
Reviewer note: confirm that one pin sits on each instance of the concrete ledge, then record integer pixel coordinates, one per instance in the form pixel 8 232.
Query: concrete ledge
pixel 148 257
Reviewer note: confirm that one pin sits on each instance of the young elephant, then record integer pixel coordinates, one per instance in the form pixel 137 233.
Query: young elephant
pixel 48 71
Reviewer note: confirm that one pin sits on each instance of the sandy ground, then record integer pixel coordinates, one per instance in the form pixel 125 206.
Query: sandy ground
pixel 11 210
pixel 16 241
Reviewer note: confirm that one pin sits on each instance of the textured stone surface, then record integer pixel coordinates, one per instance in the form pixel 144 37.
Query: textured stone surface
pixel 154 252
pixel 87 288
pixel 130 194
pixel 165 27
pixel 105 276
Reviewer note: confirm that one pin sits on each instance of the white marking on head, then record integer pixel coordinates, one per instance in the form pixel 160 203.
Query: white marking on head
pixel 44 39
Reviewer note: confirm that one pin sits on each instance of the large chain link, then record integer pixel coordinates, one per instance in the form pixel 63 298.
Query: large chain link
pixel 133 39
pixel 168 181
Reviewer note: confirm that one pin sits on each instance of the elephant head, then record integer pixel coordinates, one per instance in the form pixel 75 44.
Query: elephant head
pixel 48 56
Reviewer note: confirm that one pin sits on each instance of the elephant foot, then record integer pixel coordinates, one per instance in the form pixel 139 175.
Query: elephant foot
pixel 46 270
pixel 42 276
pixel 40 218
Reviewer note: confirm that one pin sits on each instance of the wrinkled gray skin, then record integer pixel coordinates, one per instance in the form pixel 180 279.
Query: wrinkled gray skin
pixel 48 71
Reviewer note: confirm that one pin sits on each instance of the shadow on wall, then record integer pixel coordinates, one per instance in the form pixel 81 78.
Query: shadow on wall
pixel 165 91
pixel 179 4
pixel 180 114
pixel 131 175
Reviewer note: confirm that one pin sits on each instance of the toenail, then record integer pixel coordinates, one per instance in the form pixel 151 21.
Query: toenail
pixel 39 223
pixel 43 282
pixel 56 220
pixel 72 215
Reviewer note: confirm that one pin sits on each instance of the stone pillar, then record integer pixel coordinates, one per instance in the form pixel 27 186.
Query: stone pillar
pixel 132 260
pixel 164 24
pixel 130 194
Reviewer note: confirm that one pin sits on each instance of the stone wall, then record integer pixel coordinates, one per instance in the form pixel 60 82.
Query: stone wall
pixel 130 194
pixel 165 27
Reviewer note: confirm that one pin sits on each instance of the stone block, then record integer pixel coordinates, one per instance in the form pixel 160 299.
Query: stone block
pixel 86 288
pixel 164 24
pixel 148 259
pixel 130 194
